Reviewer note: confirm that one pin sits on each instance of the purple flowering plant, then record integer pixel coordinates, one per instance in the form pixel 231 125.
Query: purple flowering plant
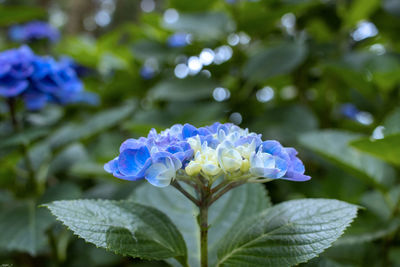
pixel 217 213
pixel 204 203
pixel 206 164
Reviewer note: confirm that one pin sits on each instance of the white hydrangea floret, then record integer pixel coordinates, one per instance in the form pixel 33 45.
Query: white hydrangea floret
pixel 195 143
pixel 229 158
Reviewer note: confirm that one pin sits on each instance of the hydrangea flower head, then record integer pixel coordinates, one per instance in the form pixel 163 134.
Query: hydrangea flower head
pixel 39 80
pixel 34 30
pixel 219 150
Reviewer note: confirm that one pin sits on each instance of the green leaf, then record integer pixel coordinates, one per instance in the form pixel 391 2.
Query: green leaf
pixel 392 123
pixel 392 7
pixel 276 60
pixel 334 145
pixel 286 234
pixel 190 89
pixel 61 191
pixel 386 148
pixel 73 132
pixel 144 49
pixel 360 10
pixel 123 227
pixel 371 235
pixel 228 211
pixel 25 137
pixel 93 125
pixel 192 5
pixel 15 14
pixel 204 26
pixel 67 158
pixel 22 227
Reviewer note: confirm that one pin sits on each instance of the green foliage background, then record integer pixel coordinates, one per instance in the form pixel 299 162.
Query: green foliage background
pixel 313 67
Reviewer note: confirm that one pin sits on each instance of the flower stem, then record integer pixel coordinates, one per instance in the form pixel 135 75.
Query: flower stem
pixel 28 163
pixel 203 223
pixel 225 190
pixel 205 198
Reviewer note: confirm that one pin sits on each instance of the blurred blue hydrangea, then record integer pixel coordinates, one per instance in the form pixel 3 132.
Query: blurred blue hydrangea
pixel 34 30
pixel 219 150
pixel 80 70
pixel 39 80
pixel 349 110
pixel 178 40
pixel 147 72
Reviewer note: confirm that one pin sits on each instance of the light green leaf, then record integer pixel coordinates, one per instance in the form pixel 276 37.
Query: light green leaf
pixel 334 145
pixel 228 211
pixel 286 234
pixel 22 227
pixel 275 60
pixel 123 227
pixel 386 148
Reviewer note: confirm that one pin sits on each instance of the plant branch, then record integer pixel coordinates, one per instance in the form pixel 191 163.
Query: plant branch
pixel 219 186
pixel 185 193
pixel 225 190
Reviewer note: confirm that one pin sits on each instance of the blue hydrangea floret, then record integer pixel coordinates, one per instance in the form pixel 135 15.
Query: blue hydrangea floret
pixel 212 152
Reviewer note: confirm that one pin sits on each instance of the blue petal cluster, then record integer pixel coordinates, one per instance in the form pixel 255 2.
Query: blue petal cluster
pixel 34 30
pixel 210 151
pixel 155 158
pixel 39 80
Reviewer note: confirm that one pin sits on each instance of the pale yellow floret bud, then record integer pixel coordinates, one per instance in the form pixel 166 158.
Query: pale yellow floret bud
pixel 193 168
pixel 245 166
